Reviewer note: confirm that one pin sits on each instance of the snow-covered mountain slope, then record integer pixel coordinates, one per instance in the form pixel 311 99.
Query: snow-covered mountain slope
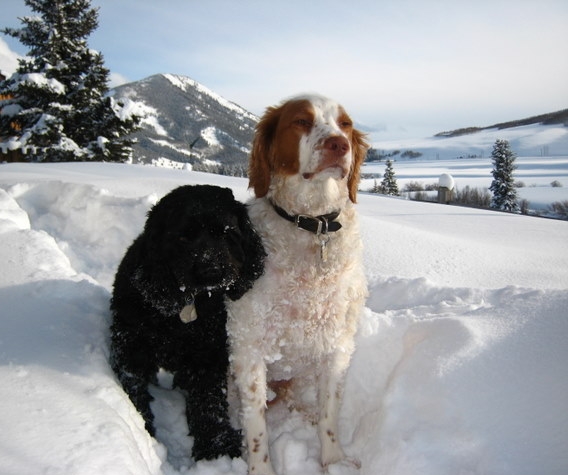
pixel 188 123
pixel 461 355
pixel 526 141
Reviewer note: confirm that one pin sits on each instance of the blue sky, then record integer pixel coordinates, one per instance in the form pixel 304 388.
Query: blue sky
pixel 402 67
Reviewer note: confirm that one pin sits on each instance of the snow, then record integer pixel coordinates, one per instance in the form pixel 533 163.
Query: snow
pixel 209 134
pixel 128 106
pixel 41 80
pixel 527 140
pixel 446 181
pixel 165 143
pixel 460 365
pixel 184 82
pixel 535 173
pixel 167 163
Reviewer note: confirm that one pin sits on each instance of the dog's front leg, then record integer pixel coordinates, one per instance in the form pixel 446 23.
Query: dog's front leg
pixel 250 378
pixel 330 387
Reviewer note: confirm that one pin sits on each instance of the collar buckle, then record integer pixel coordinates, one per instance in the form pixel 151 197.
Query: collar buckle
pixel 317 221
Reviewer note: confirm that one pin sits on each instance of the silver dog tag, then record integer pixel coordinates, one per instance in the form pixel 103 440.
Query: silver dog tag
pixel 188 314
pixel 323 248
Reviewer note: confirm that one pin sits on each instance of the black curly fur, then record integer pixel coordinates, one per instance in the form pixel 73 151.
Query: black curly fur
pixel 197 246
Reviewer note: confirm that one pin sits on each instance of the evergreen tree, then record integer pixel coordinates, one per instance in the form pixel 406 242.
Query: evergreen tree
pixel 58 108
pixel 376 188
pixel 503 184
pixel 389 184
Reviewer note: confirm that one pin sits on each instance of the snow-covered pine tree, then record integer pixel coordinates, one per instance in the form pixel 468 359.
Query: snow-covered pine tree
pixel 376 187
pixel 503 184
pixel 389 185
pixel 58 108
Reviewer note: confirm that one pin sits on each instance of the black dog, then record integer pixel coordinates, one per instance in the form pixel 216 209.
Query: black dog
pixel 197 247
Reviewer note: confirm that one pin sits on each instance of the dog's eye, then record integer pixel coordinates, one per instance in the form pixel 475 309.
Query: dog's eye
pixel 345 124
pixel 303 123
pixel 233 233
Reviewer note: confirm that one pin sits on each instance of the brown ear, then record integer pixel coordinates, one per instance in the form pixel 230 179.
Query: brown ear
pixel 260 163
pixel 360 147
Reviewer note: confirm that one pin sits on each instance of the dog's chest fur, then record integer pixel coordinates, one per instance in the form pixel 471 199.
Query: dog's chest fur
pixel 298 308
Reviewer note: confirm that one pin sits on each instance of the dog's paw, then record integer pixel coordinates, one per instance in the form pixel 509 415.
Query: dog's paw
pixel 263 471
pixel 345 466
pixel 188 314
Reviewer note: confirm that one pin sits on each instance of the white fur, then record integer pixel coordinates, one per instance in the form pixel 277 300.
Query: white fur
pixel 299 320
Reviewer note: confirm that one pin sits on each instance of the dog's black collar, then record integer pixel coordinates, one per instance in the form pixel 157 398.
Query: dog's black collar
pixel 315 224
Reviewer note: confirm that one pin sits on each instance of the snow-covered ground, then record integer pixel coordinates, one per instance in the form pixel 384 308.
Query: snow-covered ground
pixel 541 150
pixel 535 173
pixel 461 361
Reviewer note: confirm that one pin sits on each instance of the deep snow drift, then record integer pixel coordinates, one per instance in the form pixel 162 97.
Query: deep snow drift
pixel 461 357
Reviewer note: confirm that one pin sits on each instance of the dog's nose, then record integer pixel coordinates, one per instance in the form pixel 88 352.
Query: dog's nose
pixel 210 272
pixel 337 144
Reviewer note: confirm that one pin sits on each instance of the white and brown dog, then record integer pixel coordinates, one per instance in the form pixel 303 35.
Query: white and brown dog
pixel 296 326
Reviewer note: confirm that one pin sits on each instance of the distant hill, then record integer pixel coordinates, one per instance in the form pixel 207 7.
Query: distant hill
pixel 560 117
pixel 188 123
pixel 540 136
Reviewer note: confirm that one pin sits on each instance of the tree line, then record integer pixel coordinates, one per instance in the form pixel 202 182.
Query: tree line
pixel 503 196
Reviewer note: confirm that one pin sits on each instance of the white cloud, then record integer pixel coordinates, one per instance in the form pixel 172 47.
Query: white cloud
pixel 117 79
pixel 8 59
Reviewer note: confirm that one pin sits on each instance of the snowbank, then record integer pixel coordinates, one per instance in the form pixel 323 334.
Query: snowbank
pixel 461 357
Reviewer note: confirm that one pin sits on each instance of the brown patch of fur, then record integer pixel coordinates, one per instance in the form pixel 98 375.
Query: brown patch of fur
pixel 359 149
pixel 256 446
pixel 275 145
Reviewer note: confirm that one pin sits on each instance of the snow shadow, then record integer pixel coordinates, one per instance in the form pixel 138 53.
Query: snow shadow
pixel 59 324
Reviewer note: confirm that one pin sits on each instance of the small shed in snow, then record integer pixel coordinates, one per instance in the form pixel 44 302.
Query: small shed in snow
pixel 445 188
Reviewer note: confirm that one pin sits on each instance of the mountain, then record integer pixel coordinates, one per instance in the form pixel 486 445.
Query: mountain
pixel 552 118
pixel 187 123
pixel 539 136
